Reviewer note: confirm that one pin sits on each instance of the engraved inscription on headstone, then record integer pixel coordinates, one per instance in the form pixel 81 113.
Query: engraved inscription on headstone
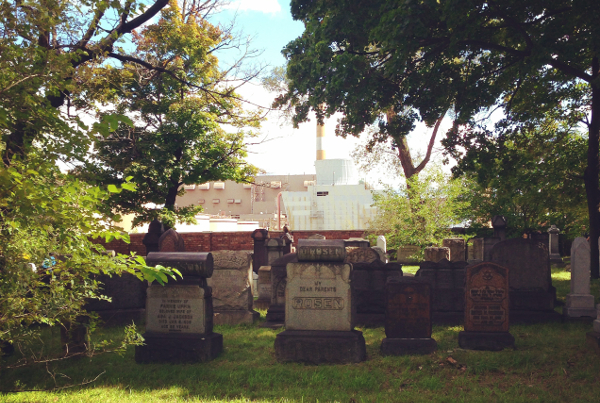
pixel 314 250
pixel 408 308
pixel 318 297
pixel 175 309
pixel 487 298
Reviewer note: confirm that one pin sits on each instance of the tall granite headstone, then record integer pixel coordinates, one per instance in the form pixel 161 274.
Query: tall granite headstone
pixel 408 317
pixel 555 257
pixel 179 316
pixel 259 258
pixel 319 316
pixel 532 295
pixel 231 285
pixel 447 281
pixel 487 309
pixel 580 303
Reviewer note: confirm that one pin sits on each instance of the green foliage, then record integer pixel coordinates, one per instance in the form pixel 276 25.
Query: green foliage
pixel 43 211
pixel 422 212
pixel 531 174
pixel 178 136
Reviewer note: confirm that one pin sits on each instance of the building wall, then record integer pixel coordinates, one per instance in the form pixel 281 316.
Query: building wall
pixel 213 241
pixel 238 200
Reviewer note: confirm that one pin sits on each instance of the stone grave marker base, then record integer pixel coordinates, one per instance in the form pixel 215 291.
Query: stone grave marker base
pixel 320 346
pixel 488 341
pixel 397 346
pixel 179 348
pixel 235 317
pixel 580 305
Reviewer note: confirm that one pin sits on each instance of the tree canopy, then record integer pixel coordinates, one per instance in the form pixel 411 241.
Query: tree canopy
pixel 391 63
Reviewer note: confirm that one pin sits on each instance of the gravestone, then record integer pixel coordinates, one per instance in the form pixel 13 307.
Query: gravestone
pixel 275 247
pixel 408 255
pixel 499 225
pixel 259 257
pixel 171 241
pixel 435 254
pixel 362 255
pixel 380 253
pixel 276 312
pixel 580 303
pixel 357 243
pixel 264 288
pixel 457 248
pixel 179 316
pixel 382 243
pixel 316 236
pixel 555 257
pixel 475 251
pixel 150 241
pixel 231 285
pixel 408 317
pixel 532 295
pixel 447 281
pixel 319 312
pixel 488 245
pixel 487 309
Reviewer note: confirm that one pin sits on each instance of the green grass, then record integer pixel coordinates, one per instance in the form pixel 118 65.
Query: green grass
pixel 551 363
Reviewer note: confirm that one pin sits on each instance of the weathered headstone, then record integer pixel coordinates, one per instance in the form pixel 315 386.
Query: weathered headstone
pixel 275 248
pixel 408 317
pixel 580 303
pixel 532 295
pixel 555 257
pixel 499 225
pixel 357 243
pixel 380 253
pixel 179 316
pixel 362 255
pixel 319 310
pixel 150 241
pixel 475 250
pixel 171 241
pixel 259 257
pixel 231 285
pixel 316 236
pixel 382 243
pixel 276 312
pixel 264 288
pixel 487 309
pixel 457 248
pixel 434 254
pixel 447 283
pixel 488 245
pixel 408 254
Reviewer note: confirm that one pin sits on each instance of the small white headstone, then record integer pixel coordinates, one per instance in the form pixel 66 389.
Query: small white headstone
pixel 382 243
pixel 579 301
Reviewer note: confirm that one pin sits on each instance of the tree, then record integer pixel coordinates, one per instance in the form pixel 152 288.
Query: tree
pixel 177 137
pixel 418 59
pixel 421 212
pixel 532 175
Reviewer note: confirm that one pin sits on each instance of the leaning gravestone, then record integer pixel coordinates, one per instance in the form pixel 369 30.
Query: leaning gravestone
pixel 580 303
pixel 486 309
pixel 532 295
pixel 231 285
pixel 407 317
pixel 264 288
pixel 179 316
pixel 319 316
pixel 447 281
pixel 434 254
pixel 457 248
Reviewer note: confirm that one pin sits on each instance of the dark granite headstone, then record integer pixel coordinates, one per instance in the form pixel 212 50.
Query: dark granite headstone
pixel 447 281
pixel 532 296
pixel 487 308
pixel 408 317
pixel 259 257
pixel 179 316
pixel 171 241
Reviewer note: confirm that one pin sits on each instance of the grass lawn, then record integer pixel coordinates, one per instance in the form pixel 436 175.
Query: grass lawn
pixel 551 363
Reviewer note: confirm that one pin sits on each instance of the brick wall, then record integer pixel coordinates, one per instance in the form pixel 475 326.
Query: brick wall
pixel 212 241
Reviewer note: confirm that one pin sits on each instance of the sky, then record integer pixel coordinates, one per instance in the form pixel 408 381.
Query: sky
pixel 283 149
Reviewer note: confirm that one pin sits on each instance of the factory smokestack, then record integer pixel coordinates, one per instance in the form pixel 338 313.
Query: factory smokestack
pixel 320 137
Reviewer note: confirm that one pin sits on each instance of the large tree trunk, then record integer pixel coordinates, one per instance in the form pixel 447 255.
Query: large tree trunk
pixel 591 175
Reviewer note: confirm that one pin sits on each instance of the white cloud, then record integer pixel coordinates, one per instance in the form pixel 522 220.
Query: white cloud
pixel 264 6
